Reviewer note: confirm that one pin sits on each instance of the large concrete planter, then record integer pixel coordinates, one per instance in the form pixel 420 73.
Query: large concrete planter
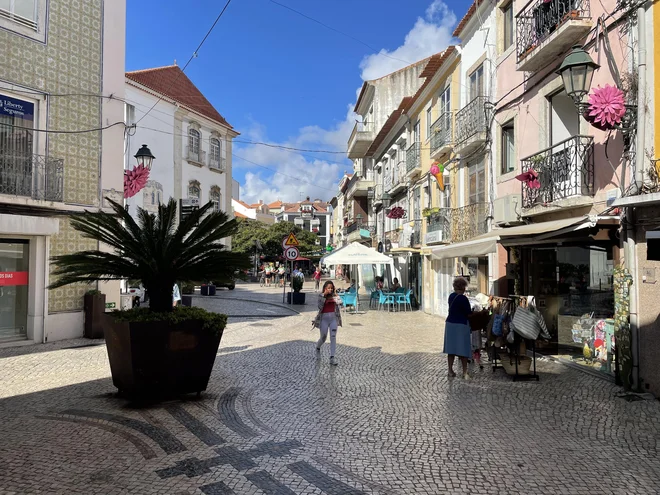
pixel 298 297
pixel 94 306
pixel 158 359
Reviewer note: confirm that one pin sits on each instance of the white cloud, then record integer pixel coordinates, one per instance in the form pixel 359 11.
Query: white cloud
pixel 430 34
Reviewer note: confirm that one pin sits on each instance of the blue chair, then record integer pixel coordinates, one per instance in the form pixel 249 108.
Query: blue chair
pixel 400 290
pixel 349 299
pixel 404 299
pixel 374 296
pixel 387 299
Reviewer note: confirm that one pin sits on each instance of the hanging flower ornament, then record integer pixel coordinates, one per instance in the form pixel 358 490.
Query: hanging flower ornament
pixel 135 180
pixel 396 213
pixel 606 107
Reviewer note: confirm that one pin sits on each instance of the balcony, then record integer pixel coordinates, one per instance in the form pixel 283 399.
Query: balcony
pixel 396 180
pixel 565 176
pixel 546 29
pixel 442 135
pixel 410 236
pixel 438 227
pixel 195 155
pixel 472 125
pixel 359 186
pixel 360 140
pixel 469 221
pixel 217 164
pixel 359 231
pixel 31 176
pixel 413 159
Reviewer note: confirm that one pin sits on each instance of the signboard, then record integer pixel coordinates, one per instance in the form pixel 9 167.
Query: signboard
pixel 10 279
pixel 190 202
pixel 291 241
pixel 291 253
pixel 187 206
pixel 16 108
pixel 110 305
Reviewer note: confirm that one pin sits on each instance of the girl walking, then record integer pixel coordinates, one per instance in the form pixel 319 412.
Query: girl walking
pixel 328 319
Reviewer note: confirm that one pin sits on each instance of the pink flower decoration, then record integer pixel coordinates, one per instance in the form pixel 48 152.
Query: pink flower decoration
pixel 606 107
pixel 135 180
pixel 396 212
pixel 434 170
pixel 531 178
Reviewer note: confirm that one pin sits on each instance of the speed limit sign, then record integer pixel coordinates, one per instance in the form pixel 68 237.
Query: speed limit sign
pixel 291 253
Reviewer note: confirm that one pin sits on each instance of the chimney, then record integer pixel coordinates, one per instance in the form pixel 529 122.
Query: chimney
pixel 261 201
pixel 307 198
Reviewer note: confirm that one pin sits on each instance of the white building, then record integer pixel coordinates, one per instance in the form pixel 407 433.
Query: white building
pixel 313 216
pixel 50 83
pixel 191 141
pixel 258 211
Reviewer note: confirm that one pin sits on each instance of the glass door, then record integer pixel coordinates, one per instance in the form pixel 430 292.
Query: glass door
pixel 14 259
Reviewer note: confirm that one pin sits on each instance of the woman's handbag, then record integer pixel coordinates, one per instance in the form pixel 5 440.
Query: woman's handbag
pixel 498 320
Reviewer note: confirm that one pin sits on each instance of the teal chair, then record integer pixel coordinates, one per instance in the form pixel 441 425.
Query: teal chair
pixel 349 299
pixel 374 296
pixel 387 299
pixel 404 299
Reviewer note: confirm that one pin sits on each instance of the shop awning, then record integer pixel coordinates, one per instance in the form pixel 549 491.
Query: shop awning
pixel 357 254
pixel 487 243
pixel 404 250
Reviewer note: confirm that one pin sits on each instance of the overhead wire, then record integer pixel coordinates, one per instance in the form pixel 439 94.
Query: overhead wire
pixel 194 55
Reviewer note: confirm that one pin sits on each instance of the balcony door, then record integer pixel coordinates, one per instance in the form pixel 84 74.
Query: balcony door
pixel 16 146
pixel 561 164
pixel 477 196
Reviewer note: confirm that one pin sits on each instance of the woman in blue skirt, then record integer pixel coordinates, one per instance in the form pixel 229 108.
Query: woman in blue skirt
pixel 457 328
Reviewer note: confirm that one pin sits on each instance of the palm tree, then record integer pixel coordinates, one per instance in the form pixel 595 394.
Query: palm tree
pixel 153 250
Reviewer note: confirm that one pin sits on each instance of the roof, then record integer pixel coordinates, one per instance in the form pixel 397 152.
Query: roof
pixel 243 203
pixel 172 82
pixel 295 207
pixel 239 215
pixel 275 204
pixel 466 18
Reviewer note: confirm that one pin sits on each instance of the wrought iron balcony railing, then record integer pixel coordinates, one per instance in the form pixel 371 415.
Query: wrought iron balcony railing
pixel 217 164
pixel 413 157
pixel 540 18
pixel 396 176
pixel 32 176
pixel 564 170
pixel 472 119
pixel 440 222
pixel 442 132
pixel 195 155
pixel 469 221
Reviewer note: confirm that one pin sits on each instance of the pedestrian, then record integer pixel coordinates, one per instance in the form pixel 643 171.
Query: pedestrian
pixel 269 273
pixel 328 319
pixel 317 278
pixel 457 328
pixel 282 274
pixel 176 296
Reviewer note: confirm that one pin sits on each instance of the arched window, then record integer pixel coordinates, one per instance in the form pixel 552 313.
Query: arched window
pixel 158 197
pixel 194 191
pixel 193 141
pixel 216 198
pixel 216 147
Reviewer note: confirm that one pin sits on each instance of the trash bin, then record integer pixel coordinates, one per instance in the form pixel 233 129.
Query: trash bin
pixel 205 290
pixel 211 290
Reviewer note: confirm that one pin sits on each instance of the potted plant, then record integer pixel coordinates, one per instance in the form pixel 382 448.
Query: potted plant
pixel 94 307
pixel 161 350
pixel 187 291
pixel 297 296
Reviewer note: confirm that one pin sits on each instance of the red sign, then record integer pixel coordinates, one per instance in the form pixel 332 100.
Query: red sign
pixel 13 278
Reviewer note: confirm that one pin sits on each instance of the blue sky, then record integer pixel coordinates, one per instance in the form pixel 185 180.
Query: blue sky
pixel 283 79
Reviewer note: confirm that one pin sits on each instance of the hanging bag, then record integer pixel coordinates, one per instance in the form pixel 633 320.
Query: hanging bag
pixel 525 323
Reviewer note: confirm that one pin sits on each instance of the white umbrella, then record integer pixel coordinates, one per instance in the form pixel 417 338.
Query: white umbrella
pixel 357 254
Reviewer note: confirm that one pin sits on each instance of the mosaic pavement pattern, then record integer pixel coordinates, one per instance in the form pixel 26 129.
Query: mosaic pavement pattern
pixel 277 420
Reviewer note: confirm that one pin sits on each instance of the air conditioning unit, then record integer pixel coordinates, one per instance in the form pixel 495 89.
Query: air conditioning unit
pixel 507 210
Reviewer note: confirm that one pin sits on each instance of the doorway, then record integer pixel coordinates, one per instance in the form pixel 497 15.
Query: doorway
pixel 563 160
pixel 14 260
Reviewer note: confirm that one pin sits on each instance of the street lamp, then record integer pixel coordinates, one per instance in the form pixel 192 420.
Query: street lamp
pixel 144 157
pixel 577 71
pixel 387 201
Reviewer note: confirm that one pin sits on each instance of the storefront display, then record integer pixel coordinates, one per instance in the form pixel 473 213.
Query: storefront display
pixel 14 258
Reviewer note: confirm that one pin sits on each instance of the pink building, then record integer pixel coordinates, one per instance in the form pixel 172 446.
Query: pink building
pixel 558 231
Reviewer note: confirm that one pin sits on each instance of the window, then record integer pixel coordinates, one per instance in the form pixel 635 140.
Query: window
pixel 193 141
pixel 507 21
pixel 215 151
pixel 19 140
pixel 429 122
pixel 23 12
pixel 476 182
pixel 215 197
pixel 508 148
pixel 416 133
pixel 194 192
pixel 477 83
pixel 444 101
pixel 153 198
pixel 417 204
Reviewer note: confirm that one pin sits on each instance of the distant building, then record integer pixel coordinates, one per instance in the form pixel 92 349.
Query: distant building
pixel 313 216
pixel 258 211
pixel 235 189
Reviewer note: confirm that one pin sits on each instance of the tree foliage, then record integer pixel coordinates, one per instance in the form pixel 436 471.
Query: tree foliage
pixel 154 250
pixel 270 237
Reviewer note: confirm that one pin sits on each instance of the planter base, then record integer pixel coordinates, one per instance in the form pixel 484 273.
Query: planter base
pixel 298 297
pixel 158 359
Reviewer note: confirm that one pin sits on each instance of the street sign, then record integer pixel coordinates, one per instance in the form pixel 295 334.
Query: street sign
pixel 291 240
pixel 190 202
pixel 291 253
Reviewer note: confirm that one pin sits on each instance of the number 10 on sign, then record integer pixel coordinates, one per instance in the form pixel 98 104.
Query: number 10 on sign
pixel 291 253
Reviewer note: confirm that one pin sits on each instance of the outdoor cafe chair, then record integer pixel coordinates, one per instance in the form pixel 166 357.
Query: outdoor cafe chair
pixel 349 299
pixel 404 299
pixel 387 299
pixel 374 297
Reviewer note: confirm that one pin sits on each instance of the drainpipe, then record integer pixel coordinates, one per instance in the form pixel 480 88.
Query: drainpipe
pixel 630 249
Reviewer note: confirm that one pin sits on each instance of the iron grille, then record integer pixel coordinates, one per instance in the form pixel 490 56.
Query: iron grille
pixel 564 170
pixel 440 222
pixel 469 221
pixel 413 157
pixel 540 18
pixel 472 119
pixel 441 131
pixel 33 176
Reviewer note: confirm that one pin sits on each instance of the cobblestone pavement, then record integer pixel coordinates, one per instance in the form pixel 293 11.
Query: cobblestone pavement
pixel 276 420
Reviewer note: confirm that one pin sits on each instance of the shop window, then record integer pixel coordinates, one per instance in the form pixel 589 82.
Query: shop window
pixel 653 246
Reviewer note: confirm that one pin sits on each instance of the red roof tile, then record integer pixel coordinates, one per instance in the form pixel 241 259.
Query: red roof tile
pixel 173 83
pixel 276 204
pixel 239 215
pixel 466 18
pixel 243 203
